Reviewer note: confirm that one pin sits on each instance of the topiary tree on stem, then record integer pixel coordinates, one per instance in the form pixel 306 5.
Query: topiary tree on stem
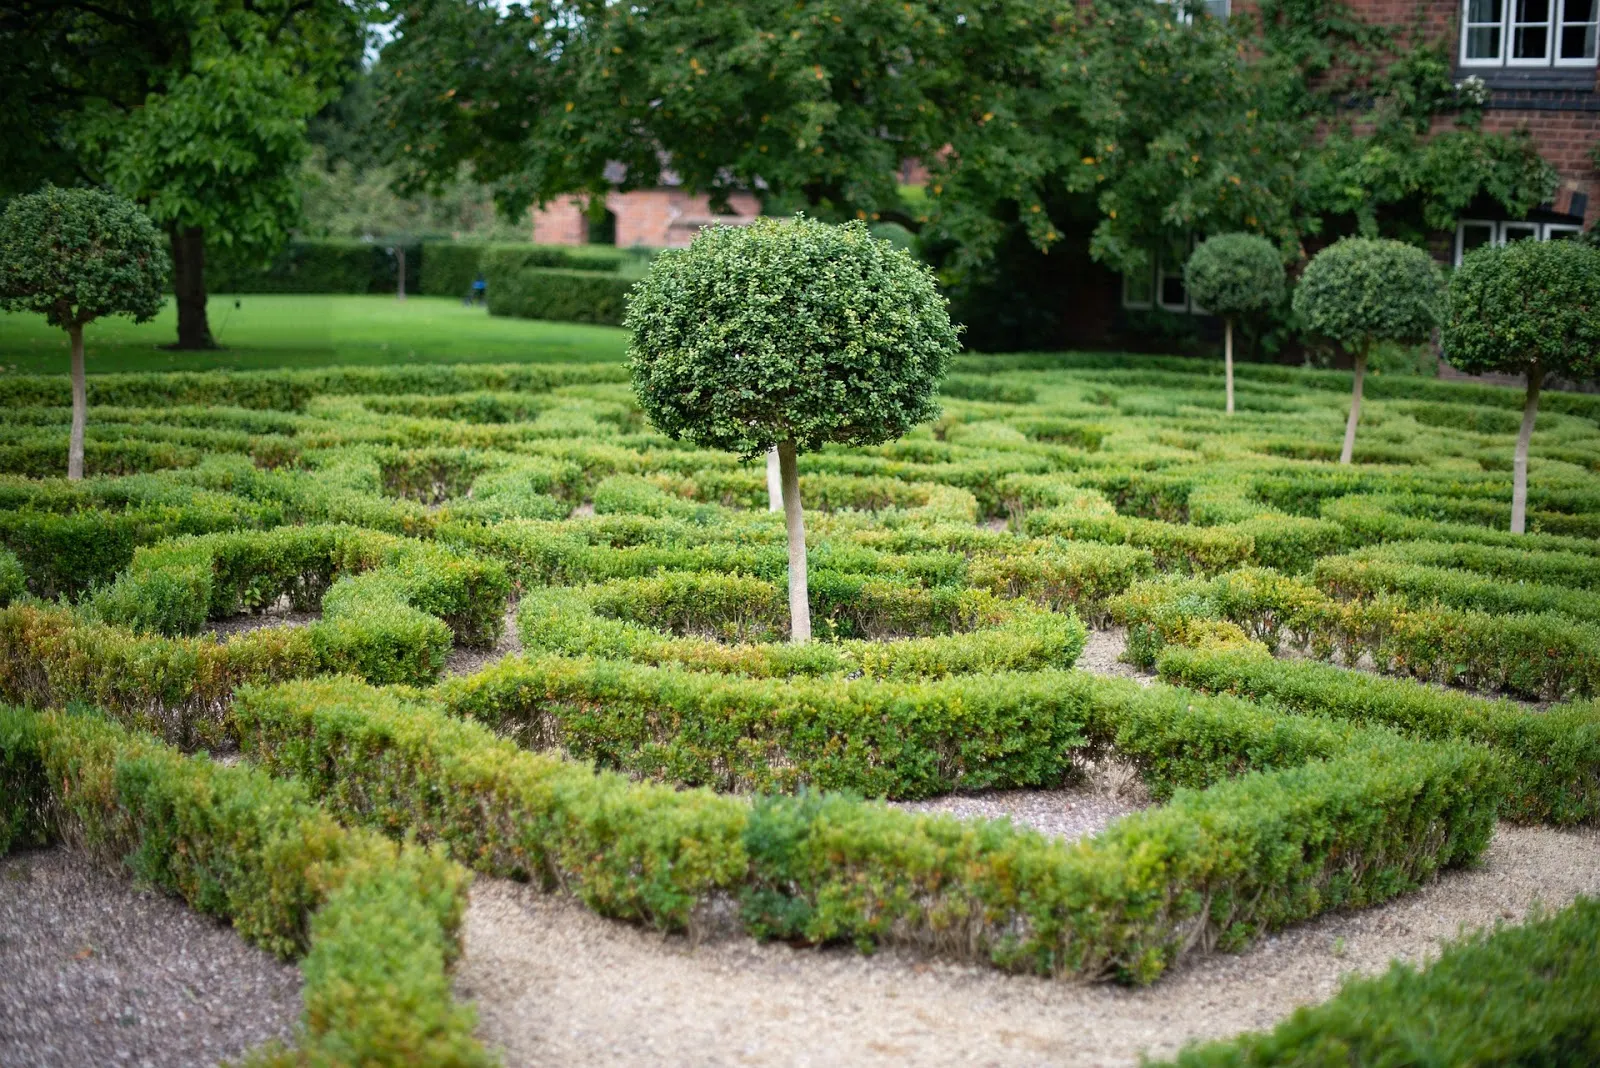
pixel 788 334
pixel 1234 275
pixel 75 255
pixel 1360 291
pixel 1529 308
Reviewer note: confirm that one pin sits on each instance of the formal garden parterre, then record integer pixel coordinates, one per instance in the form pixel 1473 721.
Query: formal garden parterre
pixel 659 751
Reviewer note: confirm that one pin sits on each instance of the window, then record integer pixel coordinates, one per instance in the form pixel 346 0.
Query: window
pixel 1475 233
pixel 1158 286
pixel 1529 33
pixel 1217 9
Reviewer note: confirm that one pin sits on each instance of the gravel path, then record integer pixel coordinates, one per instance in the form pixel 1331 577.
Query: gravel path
pixel 1109 791
pixel 556 984
pixel 94 971
pixel 1102 656
pixel 470 661
pixel 280 615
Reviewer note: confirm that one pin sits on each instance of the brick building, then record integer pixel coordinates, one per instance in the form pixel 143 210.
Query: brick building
pixel 664 217
pixel 1537 62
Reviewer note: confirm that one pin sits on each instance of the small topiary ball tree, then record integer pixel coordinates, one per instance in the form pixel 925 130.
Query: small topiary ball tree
pixel 1530 308
pixel 790 334
pixel 75 255
pixel 1360 291
pixel 1234 275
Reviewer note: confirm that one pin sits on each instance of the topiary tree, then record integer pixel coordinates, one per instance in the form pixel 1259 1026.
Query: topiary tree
pixel 75 255
pixel 788 334
pixel 1234 275
pixel 1529 308
pixel 1360 291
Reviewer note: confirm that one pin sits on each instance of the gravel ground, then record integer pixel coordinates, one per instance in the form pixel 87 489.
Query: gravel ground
pixel 556 984
pixel 1109 792
pixel 1102 655
pixel 279 615
pixel 94 971
pixel 470 661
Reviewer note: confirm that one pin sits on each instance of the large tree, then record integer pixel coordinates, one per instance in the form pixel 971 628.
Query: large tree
pixel 195 108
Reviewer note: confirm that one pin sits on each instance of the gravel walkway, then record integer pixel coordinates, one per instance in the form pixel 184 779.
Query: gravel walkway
pixel 470 661
pixel 281 614
pixel 1102 655
pixel 1110 790
pixel 556 984
pixel 94 971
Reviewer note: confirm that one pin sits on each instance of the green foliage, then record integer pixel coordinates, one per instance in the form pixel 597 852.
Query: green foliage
pixel 788 330
pixel 1530 307
pixel 1234 275
pixel 321 266
pixel 75 255
pixel 1264 849
pixel 565 296
pixel 1553 757
pixel 1358 292
pixel 376 925
pixel 13 580
pixel 1519 994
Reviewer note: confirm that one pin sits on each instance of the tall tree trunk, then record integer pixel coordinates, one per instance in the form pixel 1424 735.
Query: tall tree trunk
pixel 1349 450
pixel 1227 358
pixel 1519 463
pixel 774 481
pixel 189 284
pixel 799 602
pixel 400 262
pixel 80 405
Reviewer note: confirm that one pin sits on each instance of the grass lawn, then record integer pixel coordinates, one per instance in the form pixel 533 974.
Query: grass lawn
pixel 298 330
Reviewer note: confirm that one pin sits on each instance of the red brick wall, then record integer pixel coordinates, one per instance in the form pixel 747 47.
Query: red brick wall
pixel 654 218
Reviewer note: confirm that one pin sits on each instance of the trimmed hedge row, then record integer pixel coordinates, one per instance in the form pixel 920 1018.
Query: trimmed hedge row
pixel 327 265
pixel 1569 570
pixel 1369 520
pixel 288 391
pixel 1539 656
pixel 563 295
pixel 566 622
pixel 1350 577
pixel 1215 867
pixel 1553 757
pixel 1516 995
pixel 376 925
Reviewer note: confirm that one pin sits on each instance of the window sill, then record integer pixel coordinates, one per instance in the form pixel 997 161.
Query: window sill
pixel 1567 79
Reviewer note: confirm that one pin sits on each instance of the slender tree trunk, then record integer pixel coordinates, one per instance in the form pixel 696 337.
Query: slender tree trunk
pixel 189 284
pixel 774 481
pixel 1227 358
pixel 799 601
pixel 1349 450
pixel 1519 464
pixel 80 405
pixel 400 262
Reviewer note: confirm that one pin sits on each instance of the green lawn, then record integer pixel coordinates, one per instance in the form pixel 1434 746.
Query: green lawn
pixel 295 330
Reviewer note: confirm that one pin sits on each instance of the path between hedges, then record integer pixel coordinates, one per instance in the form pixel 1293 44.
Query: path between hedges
pixel 94 971
pixel 556 984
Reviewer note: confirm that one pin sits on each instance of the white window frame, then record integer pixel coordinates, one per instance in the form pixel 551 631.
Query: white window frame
pixel 1162 274
pixel 1561 23
pixel 1507 27
pixel 1185 17
pixel 1500 231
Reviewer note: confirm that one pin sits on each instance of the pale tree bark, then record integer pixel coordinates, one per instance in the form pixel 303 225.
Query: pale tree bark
pixel 80 405
pixel 400 262
pixel 1519 463
pixel 799 602
pixel 774 481
pixel 1349 450
pixel 1227 358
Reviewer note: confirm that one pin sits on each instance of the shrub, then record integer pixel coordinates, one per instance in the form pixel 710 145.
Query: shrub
pixel 74 256
pixel 1235 275
pixel 1516 995
pixel 323 265
pixel 1358 292
pixel 788 334
pixel 1529 308
pixel 562 295
pixel 375 925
